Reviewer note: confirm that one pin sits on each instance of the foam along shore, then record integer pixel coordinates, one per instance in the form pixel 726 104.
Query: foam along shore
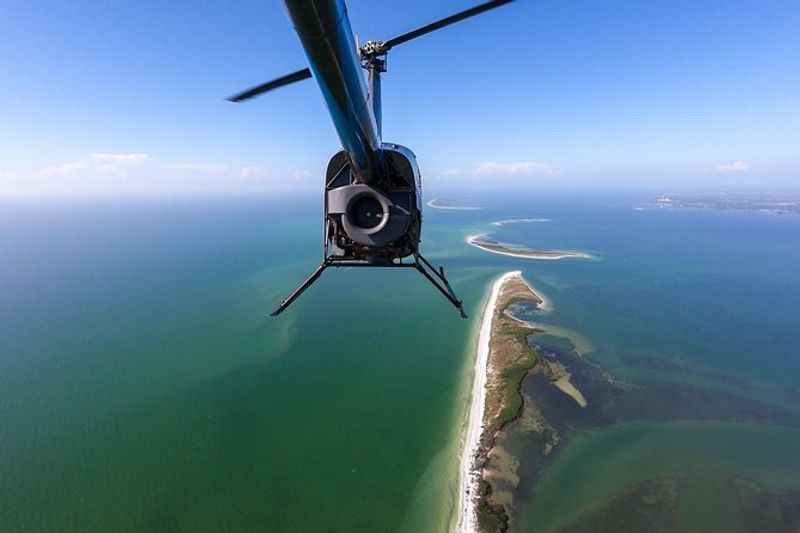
pixel 438 203
pixel 468 475
pixel 519 221
pixel 479 241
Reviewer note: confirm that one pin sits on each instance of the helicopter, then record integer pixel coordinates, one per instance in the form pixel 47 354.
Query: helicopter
pixel 372 198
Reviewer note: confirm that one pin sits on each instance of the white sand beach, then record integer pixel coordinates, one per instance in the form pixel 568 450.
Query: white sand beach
pixel 468 477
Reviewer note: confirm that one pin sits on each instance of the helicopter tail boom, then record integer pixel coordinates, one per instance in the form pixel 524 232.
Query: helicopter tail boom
pixel 324 30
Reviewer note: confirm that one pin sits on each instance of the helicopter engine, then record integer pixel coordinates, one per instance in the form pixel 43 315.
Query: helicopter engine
pixel 378 221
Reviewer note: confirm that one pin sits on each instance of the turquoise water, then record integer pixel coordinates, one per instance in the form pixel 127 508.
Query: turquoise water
pixel 144 388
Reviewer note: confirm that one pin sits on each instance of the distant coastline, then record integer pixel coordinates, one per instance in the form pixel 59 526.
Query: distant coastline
pixel 481 241
pixel 771 203
pixel 441 203
pixel 519 221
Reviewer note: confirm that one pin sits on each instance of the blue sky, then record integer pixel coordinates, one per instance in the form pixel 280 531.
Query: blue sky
pixel 129 97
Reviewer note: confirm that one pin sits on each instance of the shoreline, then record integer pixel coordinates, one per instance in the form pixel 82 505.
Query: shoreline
pixel 468 476
pixel 545 305
pixel 473 240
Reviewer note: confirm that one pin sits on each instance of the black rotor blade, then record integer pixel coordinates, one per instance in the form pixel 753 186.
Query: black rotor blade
pixel 452 19
pixel 274 84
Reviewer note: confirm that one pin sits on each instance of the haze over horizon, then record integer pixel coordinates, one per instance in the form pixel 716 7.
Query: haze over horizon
pixel 130 99
pixel 582 319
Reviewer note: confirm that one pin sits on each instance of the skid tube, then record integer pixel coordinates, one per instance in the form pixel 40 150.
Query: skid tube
pixel 436 277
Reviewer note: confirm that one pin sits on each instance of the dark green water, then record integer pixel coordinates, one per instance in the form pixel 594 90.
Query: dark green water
pixel 143 387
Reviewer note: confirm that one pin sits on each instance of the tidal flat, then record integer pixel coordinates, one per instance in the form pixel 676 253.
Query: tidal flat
pixel 553 415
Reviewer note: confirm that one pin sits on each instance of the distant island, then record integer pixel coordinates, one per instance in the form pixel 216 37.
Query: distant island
pixel 443 203
pixel 773 203
pixel 484 243
pixel 519 221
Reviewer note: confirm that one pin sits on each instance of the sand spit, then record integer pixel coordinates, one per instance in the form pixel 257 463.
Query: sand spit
pixel 544 305
pixel 468 476
pixel 565 385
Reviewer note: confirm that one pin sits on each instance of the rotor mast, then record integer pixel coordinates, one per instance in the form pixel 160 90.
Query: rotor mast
pixel 373 59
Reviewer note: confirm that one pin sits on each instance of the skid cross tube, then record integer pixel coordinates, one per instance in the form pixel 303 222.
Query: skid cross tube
pixel 421 264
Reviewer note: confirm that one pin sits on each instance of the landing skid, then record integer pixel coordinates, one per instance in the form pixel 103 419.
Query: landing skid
pixel 436 277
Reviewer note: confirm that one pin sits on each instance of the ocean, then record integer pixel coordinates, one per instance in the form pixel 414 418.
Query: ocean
pixel 143 386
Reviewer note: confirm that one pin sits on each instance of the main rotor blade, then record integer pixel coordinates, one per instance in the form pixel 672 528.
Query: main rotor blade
pixel 452 19
pixel 270 85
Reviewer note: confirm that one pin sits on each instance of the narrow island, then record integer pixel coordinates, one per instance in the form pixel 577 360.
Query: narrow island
pixel 484 243
pixel 504 359
pixel 519 221
pixel 442 203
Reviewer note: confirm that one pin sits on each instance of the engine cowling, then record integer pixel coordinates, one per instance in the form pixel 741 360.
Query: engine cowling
pixel 380 220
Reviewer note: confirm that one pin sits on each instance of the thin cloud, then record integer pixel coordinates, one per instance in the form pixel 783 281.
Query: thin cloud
pixel 209 168
pixel 261 173
pixel 102 173
pixel 250 172
pixel 451 172
pixel 119 158
pixel 96 164
pixel 510 169
pixel 517 168
pixel 737 166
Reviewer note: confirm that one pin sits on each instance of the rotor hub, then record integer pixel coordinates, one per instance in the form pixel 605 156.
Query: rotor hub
pixel 373 48
pixel 373 55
